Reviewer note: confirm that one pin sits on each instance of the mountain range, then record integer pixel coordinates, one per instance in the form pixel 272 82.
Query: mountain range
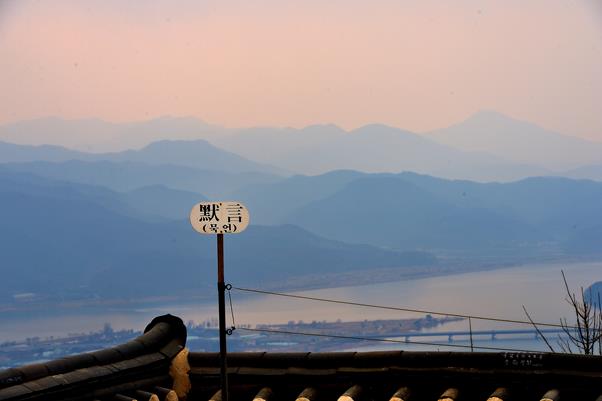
pixel 198 154
pixel 127 176
pixel 73 221
pixel 519 142
pixel 417 212
pixel 79 240
pixel 487 146
pixel 413 211
pixel 98 136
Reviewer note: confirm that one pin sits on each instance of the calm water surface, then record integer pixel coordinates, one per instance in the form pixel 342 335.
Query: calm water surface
pixel 497 293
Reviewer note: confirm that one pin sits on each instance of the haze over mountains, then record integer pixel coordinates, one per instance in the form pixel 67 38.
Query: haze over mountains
pixel 196 154
pixel 409 211
pixel 98 136
pixel 81 240
pixel 519 142
pixel 78 238
pixel 127 176
pixel 487 146
pixel 75 220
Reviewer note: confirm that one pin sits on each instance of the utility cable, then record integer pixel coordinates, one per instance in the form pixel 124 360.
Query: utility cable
pixel 388 340
pixel 341 302
pixel 229 331
pixel 359 338
pixel 229 288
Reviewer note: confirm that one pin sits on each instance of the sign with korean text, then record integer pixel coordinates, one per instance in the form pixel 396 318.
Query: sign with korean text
pixel 219 217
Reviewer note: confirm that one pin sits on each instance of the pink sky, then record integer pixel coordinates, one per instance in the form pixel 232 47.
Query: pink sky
pixel 414 64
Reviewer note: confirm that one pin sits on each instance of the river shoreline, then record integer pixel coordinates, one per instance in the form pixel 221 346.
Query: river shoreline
pixel 496 290
pixel 305 282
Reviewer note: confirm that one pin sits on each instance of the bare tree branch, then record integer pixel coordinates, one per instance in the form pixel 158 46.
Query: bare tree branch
pixel 588 331
pixel 586 334
pixel 537 329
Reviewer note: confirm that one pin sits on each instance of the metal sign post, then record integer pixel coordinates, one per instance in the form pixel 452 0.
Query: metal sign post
pixel 220 218
pixel 221 296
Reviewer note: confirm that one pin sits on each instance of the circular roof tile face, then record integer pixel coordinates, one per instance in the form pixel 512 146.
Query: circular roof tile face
pixel 219 217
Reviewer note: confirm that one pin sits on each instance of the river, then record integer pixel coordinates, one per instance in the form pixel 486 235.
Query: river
pixel 494 293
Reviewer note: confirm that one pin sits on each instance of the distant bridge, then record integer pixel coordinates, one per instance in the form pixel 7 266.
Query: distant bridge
pixel 492 334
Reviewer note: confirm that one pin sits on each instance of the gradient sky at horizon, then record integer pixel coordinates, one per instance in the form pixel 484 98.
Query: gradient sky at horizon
pixel 414 64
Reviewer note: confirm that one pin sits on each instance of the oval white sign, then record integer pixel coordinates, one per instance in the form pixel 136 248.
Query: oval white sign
pixel 219 217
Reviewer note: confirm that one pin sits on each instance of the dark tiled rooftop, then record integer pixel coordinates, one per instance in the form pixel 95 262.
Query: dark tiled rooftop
pixel 145 368
pixel 141 363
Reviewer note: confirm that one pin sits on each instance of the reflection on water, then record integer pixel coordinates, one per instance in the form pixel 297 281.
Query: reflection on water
pixel 499 293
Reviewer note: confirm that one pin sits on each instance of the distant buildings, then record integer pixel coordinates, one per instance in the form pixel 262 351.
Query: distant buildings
pixel 157 366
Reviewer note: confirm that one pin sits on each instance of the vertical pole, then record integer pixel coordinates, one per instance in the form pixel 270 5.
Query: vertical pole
pixel 221 288
pixel 470 330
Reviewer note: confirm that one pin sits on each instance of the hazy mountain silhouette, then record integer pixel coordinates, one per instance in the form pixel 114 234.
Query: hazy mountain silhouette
pixel 586 240
pixel 593 294
pixel 163 202
pixel 95 135
pixel 590 172
pixel 78 240
pixel 198 154
pixel 11 153
pixel 558 207
pixel 127 176
pixel 275 145
pixel 415 211
pixel 380 148
pixel 392 212
pixel 271 203
pixel 519 142
pixel 99 136
pixel 150 203
pixel 311 150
